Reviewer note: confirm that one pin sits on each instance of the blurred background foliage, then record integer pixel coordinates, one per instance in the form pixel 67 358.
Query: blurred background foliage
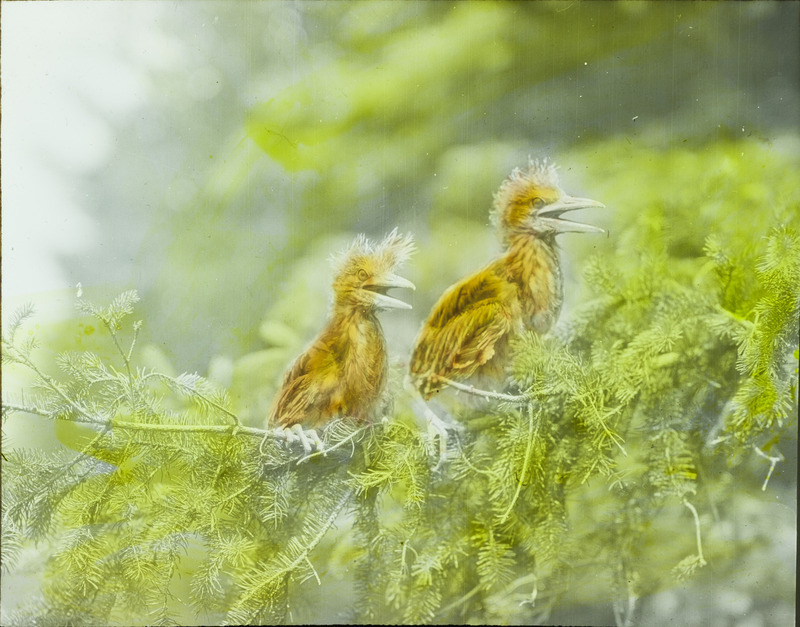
pixel 271 132
pixel 280 124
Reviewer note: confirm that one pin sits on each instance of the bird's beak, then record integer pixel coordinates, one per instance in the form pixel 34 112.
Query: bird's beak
pixel 380 285
pixel 551 214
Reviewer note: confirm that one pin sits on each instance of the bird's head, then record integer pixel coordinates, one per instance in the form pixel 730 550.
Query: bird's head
pixel 366 272
pixel 530 201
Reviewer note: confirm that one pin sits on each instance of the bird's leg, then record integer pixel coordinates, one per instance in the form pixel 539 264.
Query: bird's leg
pixel 308 437
pixel 437 428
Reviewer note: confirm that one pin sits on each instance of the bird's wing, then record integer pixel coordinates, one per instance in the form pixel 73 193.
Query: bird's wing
pixel 307 389
pixel 290 403
pixel 463 329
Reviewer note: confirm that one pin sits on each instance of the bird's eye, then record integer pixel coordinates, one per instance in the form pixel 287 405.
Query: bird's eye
pixel 538 203
pixel 362 274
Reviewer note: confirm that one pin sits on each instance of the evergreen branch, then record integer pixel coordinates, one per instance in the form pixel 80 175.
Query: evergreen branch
pixel 772 463
pixel 610 434
pixel 136 328
pixel 11 539
pixel 313 570
pixel 460 601
pixel 19 317
pixel 520 399
pixel 125 358
pixel 121 306
pixel 403 570
pixel 595 463
pixel 301 557
pixel 230 429
pixel 697 531
pixel 245 488
pixel 62 470
pixel 28 409
pixel 53 386
pixel 148 495
pixel 177 428
pixel 138 426
pixel 495 558
pixel 469 464
pixel 525 464
pixel 190 390
pixel 324 452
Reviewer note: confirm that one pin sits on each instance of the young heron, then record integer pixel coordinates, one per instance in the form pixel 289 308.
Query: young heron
pixel 466 337
pixel 343 372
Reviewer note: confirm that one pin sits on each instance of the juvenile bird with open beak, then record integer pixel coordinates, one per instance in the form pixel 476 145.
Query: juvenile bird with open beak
pixel 466 336
pixel 343 372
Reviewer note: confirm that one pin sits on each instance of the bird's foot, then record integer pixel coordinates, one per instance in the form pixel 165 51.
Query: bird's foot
pixel 437 435
pixel 307 437
pixel 437 429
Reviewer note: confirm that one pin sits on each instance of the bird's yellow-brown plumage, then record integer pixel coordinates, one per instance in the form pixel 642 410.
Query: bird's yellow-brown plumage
pixel 343 372
pixel 467 333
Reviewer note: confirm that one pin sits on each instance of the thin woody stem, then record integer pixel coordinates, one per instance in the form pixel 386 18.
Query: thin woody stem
pixel 125 357
pixel 335 446
pixel 53 386
pixel 303 556
pixel 232 429
pixel 124 424
pixel 528 448
pixel 65 467
pixel 460 601
pixel 27 409
pixel 195 393
pixel 520 399
pixel 772 463
pixel 174 428
pixel 697 530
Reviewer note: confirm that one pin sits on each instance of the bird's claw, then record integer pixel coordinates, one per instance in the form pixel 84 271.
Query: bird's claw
pixel 437 428
pixel 307 437
pixel 440 430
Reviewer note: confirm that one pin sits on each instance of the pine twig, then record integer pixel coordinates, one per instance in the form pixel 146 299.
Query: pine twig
pixel 193 392
pixel 53 386
pixel 773 461
pixel 520 399
pixel 525 464
pixel 303 555
pixel 460 601
pixel 231 429
pixel 335 446
pixel 697 531
pixel 28 409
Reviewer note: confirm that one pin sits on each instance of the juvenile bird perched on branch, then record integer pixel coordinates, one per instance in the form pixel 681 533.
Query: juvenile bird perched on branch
pixel 466 336
pixel 343 372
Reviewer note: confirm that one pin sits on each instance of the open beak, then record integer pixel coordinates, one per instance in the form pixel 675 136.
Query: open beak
pixel 551 215
pixel 380 285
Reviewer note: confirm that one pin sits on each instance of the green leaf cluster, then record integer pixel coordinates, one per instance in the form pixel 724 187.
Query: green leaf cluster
pixel 628 444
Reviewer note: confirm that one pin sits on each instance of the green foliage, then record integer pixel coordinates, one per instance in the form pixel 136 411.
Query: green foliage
pixel 641 429
pixel 372 115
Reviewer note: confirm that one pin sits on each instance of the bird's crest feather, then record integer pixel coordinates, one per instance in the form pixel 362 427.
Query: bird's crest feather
pixel 539 173
pixel 390 253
